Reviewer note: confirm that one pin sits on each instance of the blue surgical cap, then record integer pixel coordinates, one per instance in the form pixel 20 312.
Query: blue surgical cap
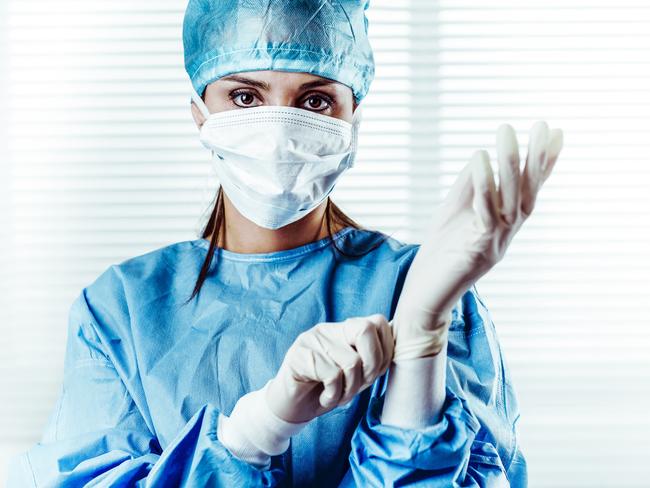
pixel 328 38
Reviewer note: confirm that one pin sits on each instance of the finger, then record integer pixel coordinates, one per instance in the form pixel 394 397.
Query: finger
pixel 509 174
pixel 485 200
pixel 387 341
pixel 346 358
pixel 460 193
pixel 369 347
pixel 327 372
pixel 311 363
pixel 532 176
pixel 555 143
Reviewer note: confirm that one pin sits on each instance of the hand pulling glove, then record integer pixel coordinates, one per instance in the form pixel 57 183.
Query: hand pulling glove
pixel 324 368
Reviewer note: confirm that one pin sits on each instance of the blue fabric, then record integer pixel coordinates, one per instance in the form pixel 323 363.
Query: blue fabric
pixel 323 37
pixel 145 377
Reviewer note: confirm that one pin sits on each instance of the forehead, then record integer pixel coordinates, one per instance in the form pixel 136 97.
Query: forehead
pixel 268 78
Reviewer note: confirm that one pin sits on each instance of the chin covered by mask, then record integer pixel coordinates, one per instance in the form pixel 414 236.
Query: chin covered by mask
pixel 278 163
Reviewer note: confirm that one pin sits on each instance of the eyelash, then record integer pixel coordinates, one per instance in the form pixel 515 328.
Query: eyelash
pixel 234 94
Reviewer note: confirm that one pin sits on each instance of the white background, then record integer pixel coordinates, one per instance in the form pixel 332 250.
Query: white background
pixel 100 161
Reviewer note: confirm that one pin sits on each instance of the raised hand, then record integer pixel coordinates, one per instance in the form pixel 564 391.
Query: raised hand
pixel 468 234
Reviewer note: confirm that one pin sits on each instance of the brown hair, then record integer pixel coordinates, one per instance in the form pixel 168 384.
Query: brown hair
pixel 215 225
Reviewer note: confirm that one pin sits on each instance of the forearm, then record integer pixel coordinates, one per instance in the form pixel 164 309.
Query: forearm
pixel 415 392
pixel 253 433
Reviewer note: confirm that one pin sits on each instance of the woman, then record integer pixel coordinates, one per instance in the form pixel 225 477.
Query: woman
pixel 245 357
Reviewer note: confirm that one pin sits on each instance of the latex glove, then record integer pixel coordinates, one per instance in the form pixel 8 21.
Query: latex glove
pixel 325 367
pixel 328 365
pixel 468 234
pixel 253 433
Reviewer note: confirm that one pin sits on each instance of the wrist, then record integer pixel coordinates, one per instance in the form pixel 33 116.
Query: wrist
pixel 253 432
pixel 283 397
pixel 415 392
pixel 422 319
pixel 419 334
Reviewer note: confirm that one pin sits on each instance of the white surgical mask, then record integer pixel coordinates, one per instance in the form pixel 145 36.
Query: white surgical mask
pixel 277 163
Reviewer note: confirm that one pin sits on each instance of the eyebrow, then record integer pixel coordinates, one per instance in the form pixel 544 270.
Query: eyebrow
pixel 265 86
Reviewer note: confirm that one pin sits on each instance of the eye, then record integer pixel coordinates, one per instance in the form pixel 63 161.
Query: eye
pixel 318 103
pixel 243 98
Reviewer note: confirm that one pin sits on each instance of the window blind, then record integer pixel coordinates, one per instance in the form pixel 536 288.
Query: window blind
pixel 102 163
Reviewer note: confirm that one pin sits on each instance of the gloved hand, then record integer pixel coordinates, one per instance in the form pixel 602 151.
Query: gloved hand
pixel 328 365
pixel 325 367
pixel 468 234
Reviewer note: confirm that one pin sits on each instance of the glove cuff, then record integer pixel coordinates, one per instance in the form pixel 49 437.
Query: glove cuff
pixel 253 433
pixel 413 341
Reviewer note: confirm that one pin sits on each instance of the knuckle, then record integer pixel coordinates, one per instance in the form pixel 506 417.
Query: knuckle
pixel 333 378
pixel 367 326
pixel 378 318
pixel 319 326
pixel 374 322
pixel 302 338
pixel 353 366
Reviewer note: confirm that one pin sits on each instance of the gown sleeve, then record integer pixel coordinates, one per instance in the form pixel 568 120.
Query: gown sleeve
pixel 96 435
pixel 454 452
pixel 444 454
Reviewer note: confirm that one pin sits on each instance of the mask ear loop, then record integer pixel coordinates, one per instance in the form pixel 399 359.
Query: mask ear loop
pixel 210 181
pixel 199 102
pixel 358 113
pixel 357 116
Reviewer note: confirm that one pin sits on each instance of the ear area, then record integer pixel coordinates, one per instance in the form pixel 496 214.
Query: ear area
pixel 197 115
pixel 200 111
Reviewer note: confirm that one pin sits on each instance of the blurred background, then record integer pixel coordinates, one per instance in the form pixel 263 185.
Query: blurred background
pixel 100 161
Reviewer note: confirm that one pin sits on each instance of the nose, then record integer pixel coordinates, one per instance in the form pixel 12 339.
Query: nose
pixel 285 99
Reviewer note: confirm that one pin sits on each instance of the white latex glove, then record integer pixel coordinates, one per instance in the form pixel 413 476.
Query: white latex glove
pixel 325 367
pixel 253 433
pixel 468 234
pixel 328 365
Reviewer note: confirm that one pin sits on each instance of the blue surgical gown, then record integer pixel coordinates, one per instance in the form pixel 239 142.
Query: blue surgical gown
pixel 146 376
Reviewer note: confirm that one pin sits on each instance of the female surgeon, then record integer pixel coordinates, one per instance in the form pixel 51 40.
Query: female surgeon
pixel 261 354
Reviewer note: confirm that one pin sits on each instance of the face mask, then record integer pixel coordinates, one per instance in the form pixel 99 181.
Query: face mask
pixel 277 163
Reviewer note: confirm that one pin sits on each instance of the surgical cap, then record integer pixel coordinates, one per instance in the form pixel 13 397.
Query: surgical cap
pixel 328 38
